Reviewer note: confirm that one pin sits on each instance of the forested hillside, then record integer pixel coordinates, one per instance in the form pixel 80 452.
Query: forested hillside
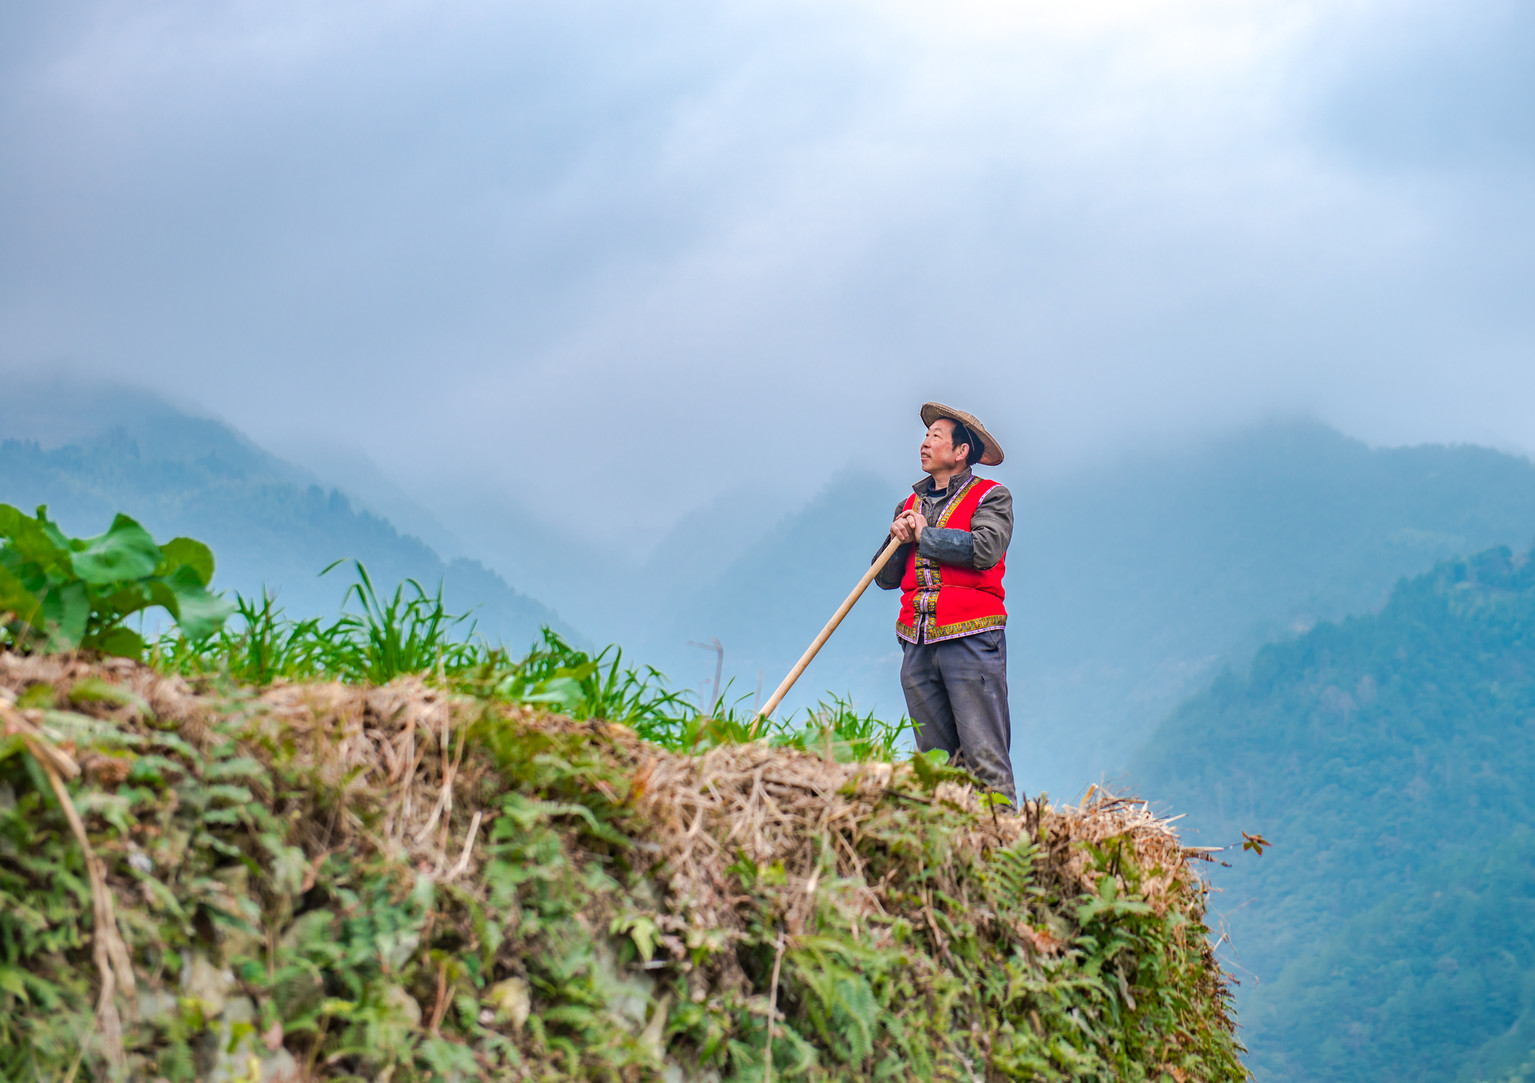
pixel 270 525
pixel 1390 931
pixel 1129 590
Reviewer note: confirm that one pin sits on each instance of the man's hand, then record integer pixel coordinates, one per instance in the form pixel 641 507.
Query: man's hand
pixel 908 526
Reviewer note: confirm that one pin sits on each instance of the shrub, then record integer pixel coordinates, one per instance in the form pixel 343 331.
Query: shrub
pixel 61 593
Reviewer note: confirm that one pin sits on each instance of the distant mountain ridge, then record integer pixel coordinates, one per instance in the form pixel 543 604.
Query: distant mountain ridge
pixel 271 526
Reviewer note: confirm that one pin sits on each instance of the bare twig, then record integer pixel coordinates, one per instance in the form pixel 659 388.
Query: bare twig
pixel 772 1014
pixel 463 858
pixel 440 1008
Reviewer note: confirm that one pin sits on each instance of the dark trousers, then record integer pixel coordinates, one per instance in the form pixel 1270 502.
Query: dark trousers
pixel 956 693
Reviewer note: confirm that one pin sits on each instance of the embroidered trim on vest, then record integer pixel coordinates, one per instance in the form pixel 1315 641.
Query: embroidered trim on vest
pixel 953 631
pixel 924 603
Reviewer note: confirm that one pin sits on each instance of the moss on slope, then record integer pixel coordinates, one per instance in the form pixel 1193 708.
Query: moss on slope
pixel 323 881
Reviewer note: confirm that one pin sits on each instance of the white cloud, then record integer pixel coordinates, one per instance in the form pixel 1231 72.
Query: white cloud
pixel 468 237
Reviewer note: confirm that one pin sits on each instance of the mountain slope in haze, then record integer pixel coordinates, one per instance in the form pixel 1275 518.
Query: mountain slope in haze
pixel 339 466
pixel 1390 759
pixel 632 594
pixel 55 412
pixel 772 600
pixel 180 474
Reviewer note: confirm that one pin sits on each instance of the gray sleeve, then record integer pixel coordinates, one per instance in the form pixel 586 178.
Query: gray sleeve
pixel 947 545
pixel 889 577
pixel 991 527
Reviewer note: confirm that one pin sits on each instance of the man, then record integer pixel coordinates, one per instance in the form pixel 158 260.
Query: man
pixel 955 528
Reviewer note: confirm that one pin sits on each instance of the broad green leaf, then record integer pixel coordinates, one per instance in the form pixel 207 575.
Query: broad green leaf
pixel 16 598
pixel 66 611
pixel 163 593
pixel 34 539
pixel 51 530
pixel 201 617
pixel 125 551
pixel 188 552
pixel 121 603
pixel 198 614
pixel 33 576
pixel 121 642
pixel 11 521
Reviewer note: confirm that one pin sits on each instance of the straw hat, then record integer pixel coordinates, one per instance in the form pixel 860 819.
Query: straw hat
pixel 991 452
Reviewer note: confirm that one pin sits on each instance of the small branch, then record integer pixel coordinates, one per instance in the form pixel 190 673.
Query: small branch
pixel 463 858
pixel 441 1007
pixel 767 1054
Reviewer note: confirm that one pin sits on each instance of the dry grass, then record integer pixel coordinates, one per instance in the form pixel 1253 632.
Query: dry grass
pixel 401 749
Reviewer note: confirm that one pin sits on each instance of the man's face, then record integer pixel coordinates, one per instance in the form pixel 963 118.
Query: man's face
pixel 938 453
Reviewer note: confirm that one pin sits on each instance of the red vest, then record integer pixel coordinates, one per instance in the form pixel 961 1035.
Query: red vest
pixel 947 601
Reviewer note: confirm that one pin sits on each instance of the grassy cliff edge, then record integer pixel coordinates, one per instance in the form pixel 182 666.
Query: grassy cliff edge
pixel 328 881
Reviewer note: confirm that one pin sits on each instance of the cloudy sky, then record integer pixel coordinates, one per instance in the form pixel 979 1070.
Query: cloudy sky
pixel 587 249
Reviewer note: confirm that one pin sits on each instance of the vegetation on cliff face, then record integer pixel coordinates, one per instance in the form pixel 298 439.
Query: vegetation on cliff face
pixel 332 881
pixel 231 865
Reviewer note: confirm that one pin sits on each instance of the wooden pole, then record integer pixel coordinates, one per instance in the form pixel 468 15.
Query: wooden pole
pixel 831 626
